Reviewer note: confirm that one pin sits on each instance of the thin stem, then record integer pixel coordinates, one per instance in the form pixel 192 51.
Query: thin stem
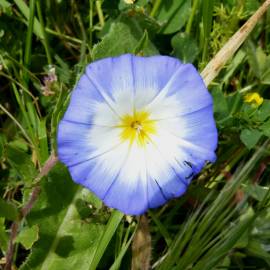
pixel 18 124
pixel 83 45
pixel 42 28
pixel 155 8
pixel 110 229
pixel 49 164
pixel 90 23
pixel 193 11
pixel 55 33
pixel 28 46
pixel 100 13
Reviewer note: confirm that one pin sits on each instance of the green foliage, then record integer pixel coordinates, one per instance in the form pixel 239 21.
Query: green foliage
pixel 173 15
pixel 126 36
pixel 185 48
pixel 69 229
pixel 7 210
pixel 28 236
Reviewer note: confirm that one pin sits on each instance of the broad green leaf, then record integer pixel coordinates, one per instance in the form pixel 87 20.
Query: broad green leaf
pixel 28 236
pixel 250 137
pixel 265 127
pixel 8 210
pixel 221 108
pixel 173 15
pixel 263 112
pixel 69 228
pixel 184 47
pixel 124 36
pixel 21 162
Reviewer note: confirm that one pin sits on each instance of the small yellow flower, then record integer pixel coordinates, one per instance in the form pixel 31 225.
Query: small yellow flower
pixel 253 98
pixel 129 1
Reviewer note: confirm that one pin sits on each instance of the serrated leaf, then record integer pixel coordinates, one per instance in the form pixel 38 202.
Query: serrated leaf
pixel 124 37
pixel 250 137
pixel 185 48
pixel 173 15
pixel 28 236
pixel 68 234
pixel 8 210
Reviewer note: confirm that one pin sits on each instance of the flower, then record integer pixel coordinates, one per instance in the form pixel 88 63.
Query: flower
pixel 253 98
pixel 137 130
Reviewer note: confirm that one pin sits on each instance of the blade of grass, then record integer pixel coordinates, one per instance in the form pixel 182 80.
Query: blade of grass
pixel 193 11
pixel 155 8
pixel 29 34
pixel 110 229
pixel 42 28
pixel 207 18
pixel 24 9
pixel 117 262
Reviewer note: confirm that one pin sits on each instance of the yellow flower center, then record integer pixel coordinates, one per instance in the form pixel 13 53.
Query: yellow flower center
pixel 138 128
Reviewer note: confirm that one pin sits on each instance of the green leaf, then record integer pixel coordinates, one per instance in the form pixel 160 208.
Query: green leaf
pixel 265 127
pixel 184 47
pixel 221 108
pixel 68 233
pixel 124 36
pixel 21 162
pixel 22 6
pixel 8 210
pixel 28 236
pixel 250 137
pixel 263 111
pixel 173 15
pixel 143 42
pixel 3 236
pixel 256 191
pixel 2 143
pixel 5 7
pixel 255 248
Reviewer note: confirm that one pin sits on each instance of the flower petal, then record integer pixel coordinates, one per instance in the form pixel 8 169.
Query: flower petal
pixel 124 174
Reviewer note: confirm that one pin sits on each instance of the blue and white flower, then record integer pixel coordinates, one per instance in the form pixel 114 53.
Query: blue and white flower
pixel 137 130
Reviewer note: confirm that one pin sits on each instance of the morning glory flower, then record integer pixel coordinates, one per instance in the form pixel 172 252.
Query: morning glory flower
pixel 137 130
